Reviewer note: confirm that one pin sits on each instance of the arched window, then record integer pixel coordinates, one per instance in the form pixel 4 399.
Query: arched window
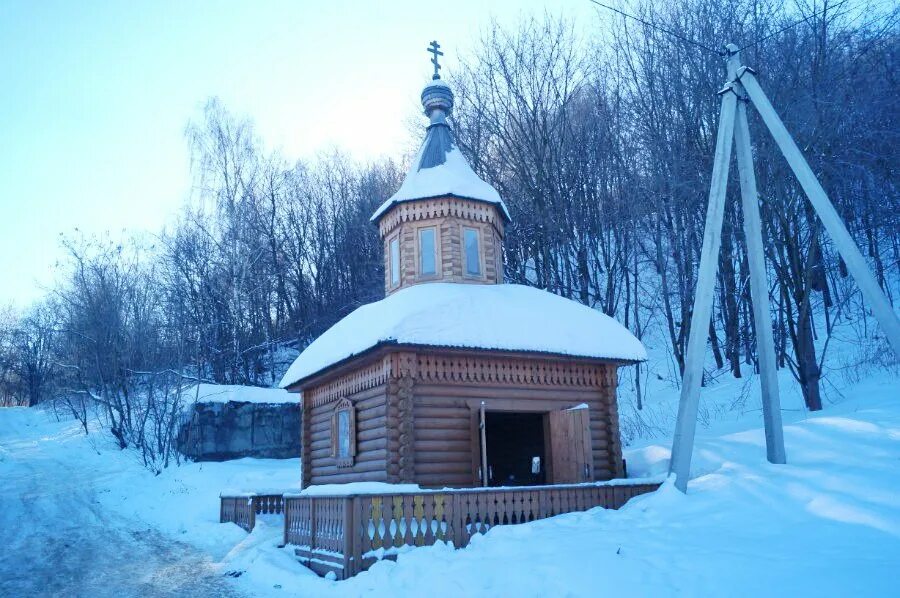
pixel 343 433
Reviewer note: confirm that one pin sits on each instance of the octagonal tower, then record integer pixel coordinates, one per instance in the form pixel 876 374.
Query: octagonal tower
pixel 444 224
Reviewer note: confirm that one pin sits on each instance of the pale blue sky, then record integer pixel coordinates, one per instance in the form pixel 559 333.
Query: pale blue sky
pixel 95 97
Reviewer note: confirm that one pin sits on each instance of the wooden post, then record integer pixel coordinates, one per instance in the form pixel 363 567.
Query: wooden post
pixel 484 462
pixel 313 520
pixel 685 427
pixel 287 522
pixel 351 565
pixel 460 533
pixel 759 288
pixel 845 244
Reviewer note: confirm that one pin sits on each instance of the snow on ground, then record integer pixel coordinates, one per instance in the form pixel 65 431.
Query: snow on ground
pixel 357 488
pixel 828 523
pixel 81 518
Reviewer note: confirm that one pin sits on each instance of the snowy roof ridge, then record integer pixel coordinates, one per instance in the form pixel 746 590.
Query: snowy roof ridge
pixel 439 169
pixel 502 317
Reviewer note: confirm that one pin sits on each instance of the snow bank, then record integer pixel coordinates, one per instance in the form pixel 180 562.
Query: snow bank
pixel 504 317
pixel 356 488
pixel 225 393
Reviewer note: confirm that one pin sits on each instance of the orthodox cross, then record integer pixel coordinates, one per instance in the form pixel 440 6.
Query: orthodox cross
pixel 433 49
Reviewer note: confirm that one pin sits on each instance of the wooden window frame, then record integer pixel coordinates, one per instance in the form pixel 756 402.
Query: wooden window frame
pixel 391 240
pixel 345 460
pixel 481 253
pixel 437 252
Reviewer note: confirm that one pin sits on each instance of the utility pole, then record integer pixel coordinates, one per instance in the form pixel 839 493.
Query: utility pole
pixel 741 89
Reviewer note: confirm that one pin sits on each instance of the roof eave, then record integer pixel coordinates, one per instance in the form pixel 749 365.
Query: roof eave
pixel 501 207
pixel 390 345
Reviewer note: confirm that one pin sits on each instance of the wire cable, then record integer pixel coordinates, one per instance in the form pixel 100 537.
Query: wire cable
pixel 722 52
pixel 794 24
pixel 655 26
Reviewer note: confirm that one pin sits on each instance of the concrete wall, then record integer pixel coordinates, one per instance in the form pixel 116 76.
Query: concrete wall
pixel 221 431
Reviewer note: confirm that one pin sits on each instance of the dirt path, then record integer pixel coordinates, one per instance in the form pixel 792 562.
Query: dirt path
pixel 57 541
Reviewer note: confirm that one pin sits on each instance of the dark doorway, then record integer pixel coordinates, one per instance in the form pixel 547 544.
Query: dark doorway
pixel 515 448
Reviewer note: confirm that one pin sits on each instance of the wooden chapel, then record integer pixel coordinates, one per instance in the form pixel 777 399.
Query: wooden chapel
pixel 456 379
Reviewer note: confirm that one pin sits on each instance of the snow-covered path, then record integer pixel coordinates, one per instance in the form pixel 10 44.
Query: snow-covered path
pixel 59 540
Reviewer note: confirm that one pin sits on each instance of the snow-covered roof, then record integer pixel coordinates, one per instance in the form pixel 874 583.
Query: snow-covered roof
pixel 454 177
pixel 439 168
pixel 499 317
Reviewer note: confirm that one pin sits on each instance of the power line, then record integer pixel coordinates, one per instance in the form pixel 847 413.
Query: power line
pixel 794 24
pixel 722 52
pixel 655 26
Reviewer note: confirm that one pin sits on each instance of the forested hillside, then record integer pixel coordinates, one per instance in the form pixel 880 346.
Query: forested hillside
pixel 599 136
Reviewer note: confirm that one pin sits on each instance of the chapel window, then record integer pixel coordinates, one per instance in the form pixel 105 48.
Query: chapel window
pixel 473 255
pixel 343 433
pixel 426 251
pixel 395 261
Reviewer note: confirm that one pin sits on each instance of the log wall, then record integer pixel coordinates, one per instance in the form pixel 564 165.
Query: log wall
pixel 370 463
pixel 417 412
pixel 450 389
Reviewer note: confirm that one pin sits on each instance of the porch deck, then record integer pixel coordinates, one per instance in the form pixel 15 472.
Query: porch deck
pixel 346 534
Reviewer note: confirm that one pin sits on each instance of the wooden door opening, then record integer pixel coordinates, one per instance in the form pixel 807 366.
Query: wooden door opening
pixel 570 446
pixel 515 449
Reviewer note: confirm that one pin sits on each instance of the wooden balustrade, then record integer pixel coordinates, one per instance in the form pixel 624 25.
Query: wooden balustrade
pixel 242 509
pixel 346 534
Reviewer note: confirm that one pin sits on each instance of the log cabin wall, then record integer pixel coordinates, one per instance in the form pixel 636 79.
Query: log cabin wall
pixel 417 412
pixel 366 387
pixel 450 387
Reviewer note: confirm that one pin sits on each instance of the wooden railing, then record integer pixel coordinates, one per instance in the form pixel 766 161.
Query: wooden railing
pixel 242 509
pixel 346 534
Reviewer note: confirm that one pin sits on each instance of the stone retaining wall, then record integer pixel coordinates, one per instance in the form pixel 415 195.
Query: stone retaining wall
pixel 219 431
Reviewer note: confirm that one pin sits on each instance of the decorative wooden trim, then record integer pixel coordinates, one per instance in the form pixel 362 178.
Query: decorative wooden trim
pixel 404 369
pixel 425 209
pixel 375 374
pixel 437 368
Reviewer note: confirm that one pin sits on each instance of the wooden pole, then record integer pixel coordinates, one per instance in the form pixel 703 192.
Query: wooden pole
pixel 856 264
pixel 484 465
pixel 685 427
pixel 759 288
